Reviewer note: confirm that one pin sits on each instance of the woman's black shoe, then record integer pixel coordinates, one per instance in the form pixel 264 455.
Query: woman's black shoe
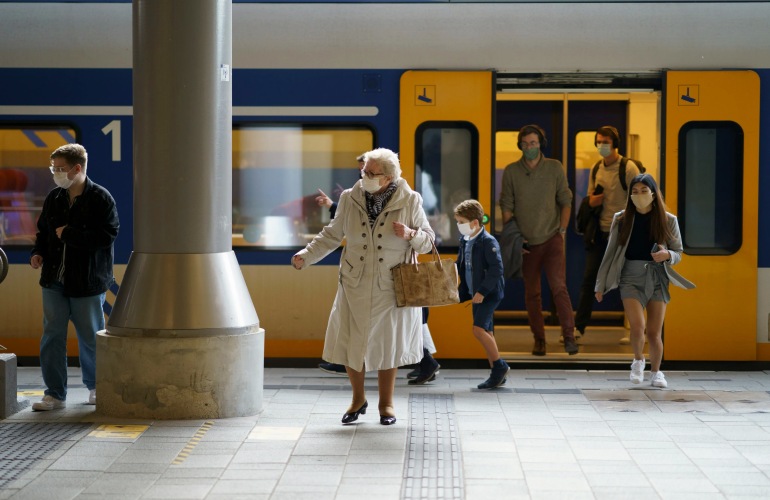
pixel 352 417
pixel 386 420
pixel 426 376
pixel 414 373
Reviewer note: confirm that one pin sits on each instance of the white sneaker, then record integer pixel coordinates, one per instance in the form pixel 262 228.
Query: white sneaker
pixel 48 403
pixel 626 340
pixel 658 380
pixel 637 371
pixel 92 397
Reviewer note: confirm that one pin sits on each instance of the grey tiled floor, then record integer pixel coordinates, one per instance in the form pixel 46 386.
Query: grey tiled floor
pixel 546 434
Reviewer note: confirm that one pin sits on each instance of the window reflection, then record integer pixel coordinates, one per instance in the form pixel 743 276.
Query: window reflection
pixel 25 178
pixel 445 174
pixel 277 172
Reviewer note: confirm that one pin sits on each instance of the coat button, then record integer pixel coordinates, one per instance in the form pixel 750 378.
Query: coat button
pixel 365 247
pixel 363 235
pixel 362 257
pixel 379 236
pixel 380 259
pixel 382 223
pixel 379 247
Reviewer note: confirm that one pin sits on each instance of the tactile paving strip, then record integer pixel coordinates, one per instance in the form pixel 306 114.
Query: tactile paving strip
pixel 433 465
pixel 22 444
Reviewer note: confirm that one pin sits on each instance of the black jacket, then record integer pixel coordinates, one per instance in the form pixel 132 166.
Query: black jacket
pixel 92 226
pixel 487 267
pixel 587 222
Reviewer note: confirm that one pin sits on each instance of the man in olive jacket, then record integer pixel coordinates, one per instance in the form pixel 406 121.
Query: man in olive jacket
pixel 74 246
pixel 535 193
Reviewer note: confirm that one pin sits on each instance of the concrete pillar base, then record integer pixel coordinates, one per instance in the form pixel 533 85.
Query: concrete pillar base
pixel 180 378
pixel 9 402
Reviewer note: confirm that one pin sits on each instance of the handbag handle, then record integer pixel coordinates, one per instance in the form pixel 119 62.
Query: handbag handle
pixel 434 252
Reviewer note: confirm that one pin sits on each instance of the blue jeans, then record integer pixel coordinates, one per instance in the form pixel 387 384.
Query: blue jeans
pixel 88 317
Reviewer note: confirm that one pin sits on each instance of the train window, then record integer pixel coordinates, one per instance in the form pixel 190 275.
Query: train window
pixel 25 179
pixel 445 173
pixel 710 187
pixel 277 172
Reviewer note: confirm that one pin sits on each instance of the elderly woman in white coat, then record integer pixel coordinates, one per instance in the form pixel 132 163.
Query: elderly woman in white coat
pixel 643 246
pixel 382 220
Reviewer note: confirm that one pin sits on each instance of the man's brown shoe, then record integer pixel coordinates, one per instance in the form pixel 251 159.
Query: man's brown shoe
pixel 539 349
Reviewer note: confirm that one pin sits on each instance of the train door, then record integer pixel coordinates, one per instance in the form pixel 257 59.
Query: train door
pixel 446 147
pixel 570 120
pixel 711 184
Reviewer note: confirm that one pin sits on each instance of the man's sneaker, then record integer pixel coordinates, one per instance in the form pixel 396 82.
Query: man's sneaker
pixel 539 348
pixel 333 368
pixel 48 403
pixel 570 347
pixel 577 336
pixel 658 380
pixel 91 397
pixel 637 371
pixel 625 340
pixel 414 373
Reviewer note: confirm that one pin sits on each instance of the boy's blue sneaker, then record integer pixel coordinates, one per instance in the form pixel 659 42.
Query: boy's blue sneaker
pixel 497 378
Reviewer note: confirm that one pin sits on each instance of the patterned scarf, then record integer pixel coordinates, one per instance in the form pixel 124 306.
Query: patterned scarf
pixel 376 202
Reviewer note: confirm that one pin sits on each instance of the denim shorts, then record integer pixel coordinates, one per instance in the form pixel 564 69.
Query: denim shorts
pixel 483 314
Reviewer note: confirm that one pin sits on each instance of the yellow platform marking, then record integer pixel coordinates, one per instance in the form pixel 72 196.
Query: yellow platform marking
pixel 119 431
pixel 275 433
pixel 37 392
pixel 192 443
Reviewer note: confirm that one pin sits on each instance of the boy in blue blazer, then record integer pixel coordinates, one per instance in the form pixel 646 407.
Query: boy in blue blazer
pixel 481 280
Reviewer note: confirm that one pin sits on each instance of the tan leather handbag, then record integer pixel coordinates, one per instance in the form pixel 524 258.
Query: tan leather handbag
pixel 426 284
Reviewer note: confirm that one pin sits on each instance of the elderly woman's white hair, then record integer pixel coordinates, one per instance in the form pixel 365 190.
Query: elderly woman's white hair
pixel 387 160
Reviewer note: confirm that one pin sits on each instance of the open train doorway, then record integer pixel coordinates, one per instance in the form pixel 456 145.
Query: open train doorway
pixel 570 108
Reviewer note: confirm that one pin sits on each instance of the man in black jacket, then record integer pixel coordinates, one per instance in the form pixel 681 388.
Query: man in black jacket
pixel 607 195
pixel 74 246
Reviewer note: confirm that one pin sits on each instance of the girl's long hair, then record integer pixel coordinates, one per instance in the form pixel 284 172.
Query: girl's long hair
pixel 659 230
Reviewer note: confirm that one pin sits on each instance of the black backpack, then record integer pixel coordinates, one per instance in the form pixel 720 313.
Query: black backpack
pixel 621 170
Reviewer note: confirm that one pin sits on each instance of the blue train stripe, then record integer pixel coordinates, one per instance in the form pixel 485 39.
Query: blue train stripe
pixel 33 138
pixel 67 136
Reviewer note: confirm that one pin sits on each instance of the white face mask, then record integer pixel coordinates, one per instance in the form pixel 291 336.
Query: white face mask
pixel 604 150
pixel 465 228
pixel 371 185
pixel 642 200
pixel 61 180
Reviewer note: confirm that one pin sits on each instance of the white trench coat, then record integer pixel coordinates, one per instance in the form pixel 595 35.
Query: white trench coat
pixel 366 329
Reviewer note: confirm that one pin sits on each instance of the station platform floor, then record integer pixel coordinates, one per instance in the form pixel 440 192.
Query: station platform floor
pixel 545 434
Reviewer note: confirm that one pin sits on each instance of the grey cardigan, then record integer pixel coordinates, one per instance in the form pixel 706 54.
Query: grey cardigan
pixel 608 276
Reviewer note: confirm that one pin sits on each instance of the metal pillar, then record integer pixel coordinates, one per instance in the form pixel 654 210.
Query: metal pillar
pixel 183 339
